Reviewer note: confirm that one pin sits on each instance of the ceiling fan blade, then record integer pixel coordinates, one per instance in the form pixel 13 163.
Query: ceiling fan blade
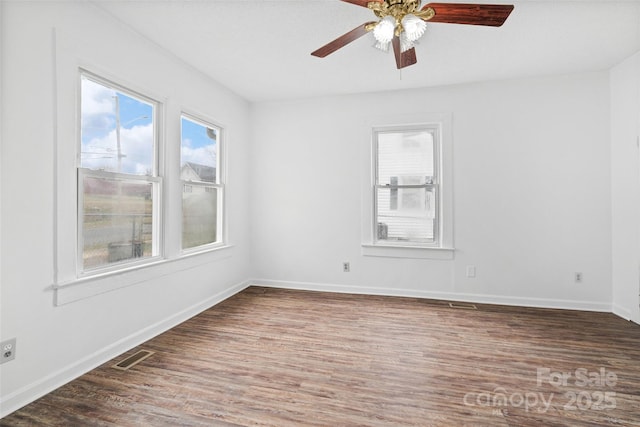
pixel 403 59
pixel 492 15
pixel 341 41
pixel 362 3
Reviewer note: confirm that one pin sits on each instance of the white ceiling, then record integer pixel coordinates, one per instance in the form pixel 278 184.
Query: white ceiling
pixel 261 49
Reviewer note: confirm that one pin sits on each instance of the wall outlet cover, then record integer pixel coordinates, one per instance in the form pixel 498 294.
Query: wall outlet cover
pixel 8 350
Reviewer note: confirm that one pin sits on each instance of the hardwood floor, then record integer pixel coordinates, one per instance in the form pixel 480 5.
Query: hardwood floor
pixel 271 357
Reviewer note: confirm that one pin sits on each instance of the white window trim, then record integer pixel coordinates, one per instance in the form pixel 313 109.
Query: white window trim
pixel 86 287
pixel 69 59
pixel 221 171
pixel 444 248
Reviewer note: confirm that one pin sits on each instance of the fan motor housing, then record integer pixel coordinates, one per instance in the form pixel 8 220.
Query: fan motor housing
pixel 399 8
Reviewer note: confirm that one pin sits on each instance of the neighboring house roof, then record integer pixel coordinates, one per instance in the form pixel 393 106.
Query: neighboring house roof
pixel 197 172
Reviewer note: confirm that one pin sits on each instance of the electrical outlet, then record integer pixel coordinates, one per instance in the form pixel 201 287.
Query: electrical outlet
pixel 346 267
pixel 578 277
pixel 8 350
pixel 471 271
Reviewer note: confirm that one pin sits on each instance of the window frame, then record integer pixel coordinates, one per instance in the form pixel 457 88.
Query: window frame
pixel 219 185
pixel 370 246
pixel 435 130
pixel 155 179
pixel 69 59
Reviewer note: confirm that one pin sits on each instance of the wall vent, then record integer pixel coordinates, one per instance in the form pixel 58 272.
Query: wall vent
pixel 463 305
pixel 133 360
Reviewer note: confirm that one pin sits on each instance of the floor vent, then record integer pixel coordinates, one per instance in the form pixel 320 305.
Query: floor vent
pixel 133 360
pixel 463 305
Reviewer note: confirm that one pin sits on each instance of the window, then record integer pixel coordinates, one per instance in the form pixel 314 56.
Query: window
pixel 118 182
pixel 406 186
pixel 116 221
pixel 202 192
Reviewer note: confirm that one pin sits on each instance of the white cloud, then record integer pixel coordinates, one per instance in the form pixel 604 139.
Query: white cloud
pixel 206 155
pixel 136 145
pixel 96 99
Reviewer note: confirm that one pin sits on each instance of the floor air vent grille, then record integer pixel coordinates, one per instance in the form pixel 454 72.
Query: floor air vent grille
pixel 463 305
pixel 133 360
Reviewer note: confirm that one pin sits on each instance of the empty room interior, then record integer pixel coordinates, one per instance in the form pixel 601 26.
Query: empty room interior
pixel 319 212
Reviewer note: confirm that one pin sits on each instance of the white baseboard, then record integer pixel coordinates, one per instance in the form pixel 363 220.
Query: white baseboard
pixel 33 391
pixel 622 312
pixel 448 296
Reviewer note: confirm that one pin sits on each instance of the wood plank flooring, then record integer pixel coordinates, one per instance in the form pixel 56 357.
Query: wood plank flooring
pixel 272 357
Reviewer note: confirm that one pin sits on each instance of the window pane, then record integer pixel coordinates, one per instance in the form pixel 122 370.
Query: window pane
pixel 199 152
pixel 409 216
pixel 117 132
pixel 117 221
pixel 403 154
pixel 199 215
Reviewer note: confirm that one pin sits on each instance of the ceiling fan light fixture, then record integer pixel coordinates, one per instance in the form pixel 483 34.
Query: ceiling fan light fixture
pixel 405 43
pixel 382 46
pixel 385 29
pixel 414 27
pixel 406 21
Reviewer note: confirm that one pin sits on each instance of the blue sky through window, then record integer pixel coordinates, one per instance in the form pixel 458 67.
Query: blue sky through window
pixel 135 155
pixel 99 139
pixel 198 146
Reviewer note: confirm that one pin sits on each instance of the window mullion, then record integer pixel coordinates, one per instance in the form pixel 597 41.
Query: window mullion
pixel 394 187
pixel 119 176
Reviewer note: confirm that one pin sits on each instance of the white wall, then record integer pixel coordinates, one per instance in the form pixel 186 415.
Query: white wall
pixel 532 186
pixel 56 343
pixel 625 181
pixel 531 193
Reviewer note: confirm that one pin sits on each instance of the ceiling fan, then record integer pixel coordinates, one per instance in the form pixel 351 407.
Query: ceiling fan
pixel 402 22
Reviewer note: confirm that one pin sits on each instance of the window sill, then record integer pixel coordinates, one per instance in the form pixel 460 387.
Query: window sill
pixel 205 249
pixel 416 252
pixel 89 286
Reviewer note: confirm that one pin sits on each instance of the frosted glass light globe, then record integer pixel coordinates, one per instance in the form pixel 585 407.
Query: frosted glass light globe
pixel 384 31
pixel 405 43
pixel 414 27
